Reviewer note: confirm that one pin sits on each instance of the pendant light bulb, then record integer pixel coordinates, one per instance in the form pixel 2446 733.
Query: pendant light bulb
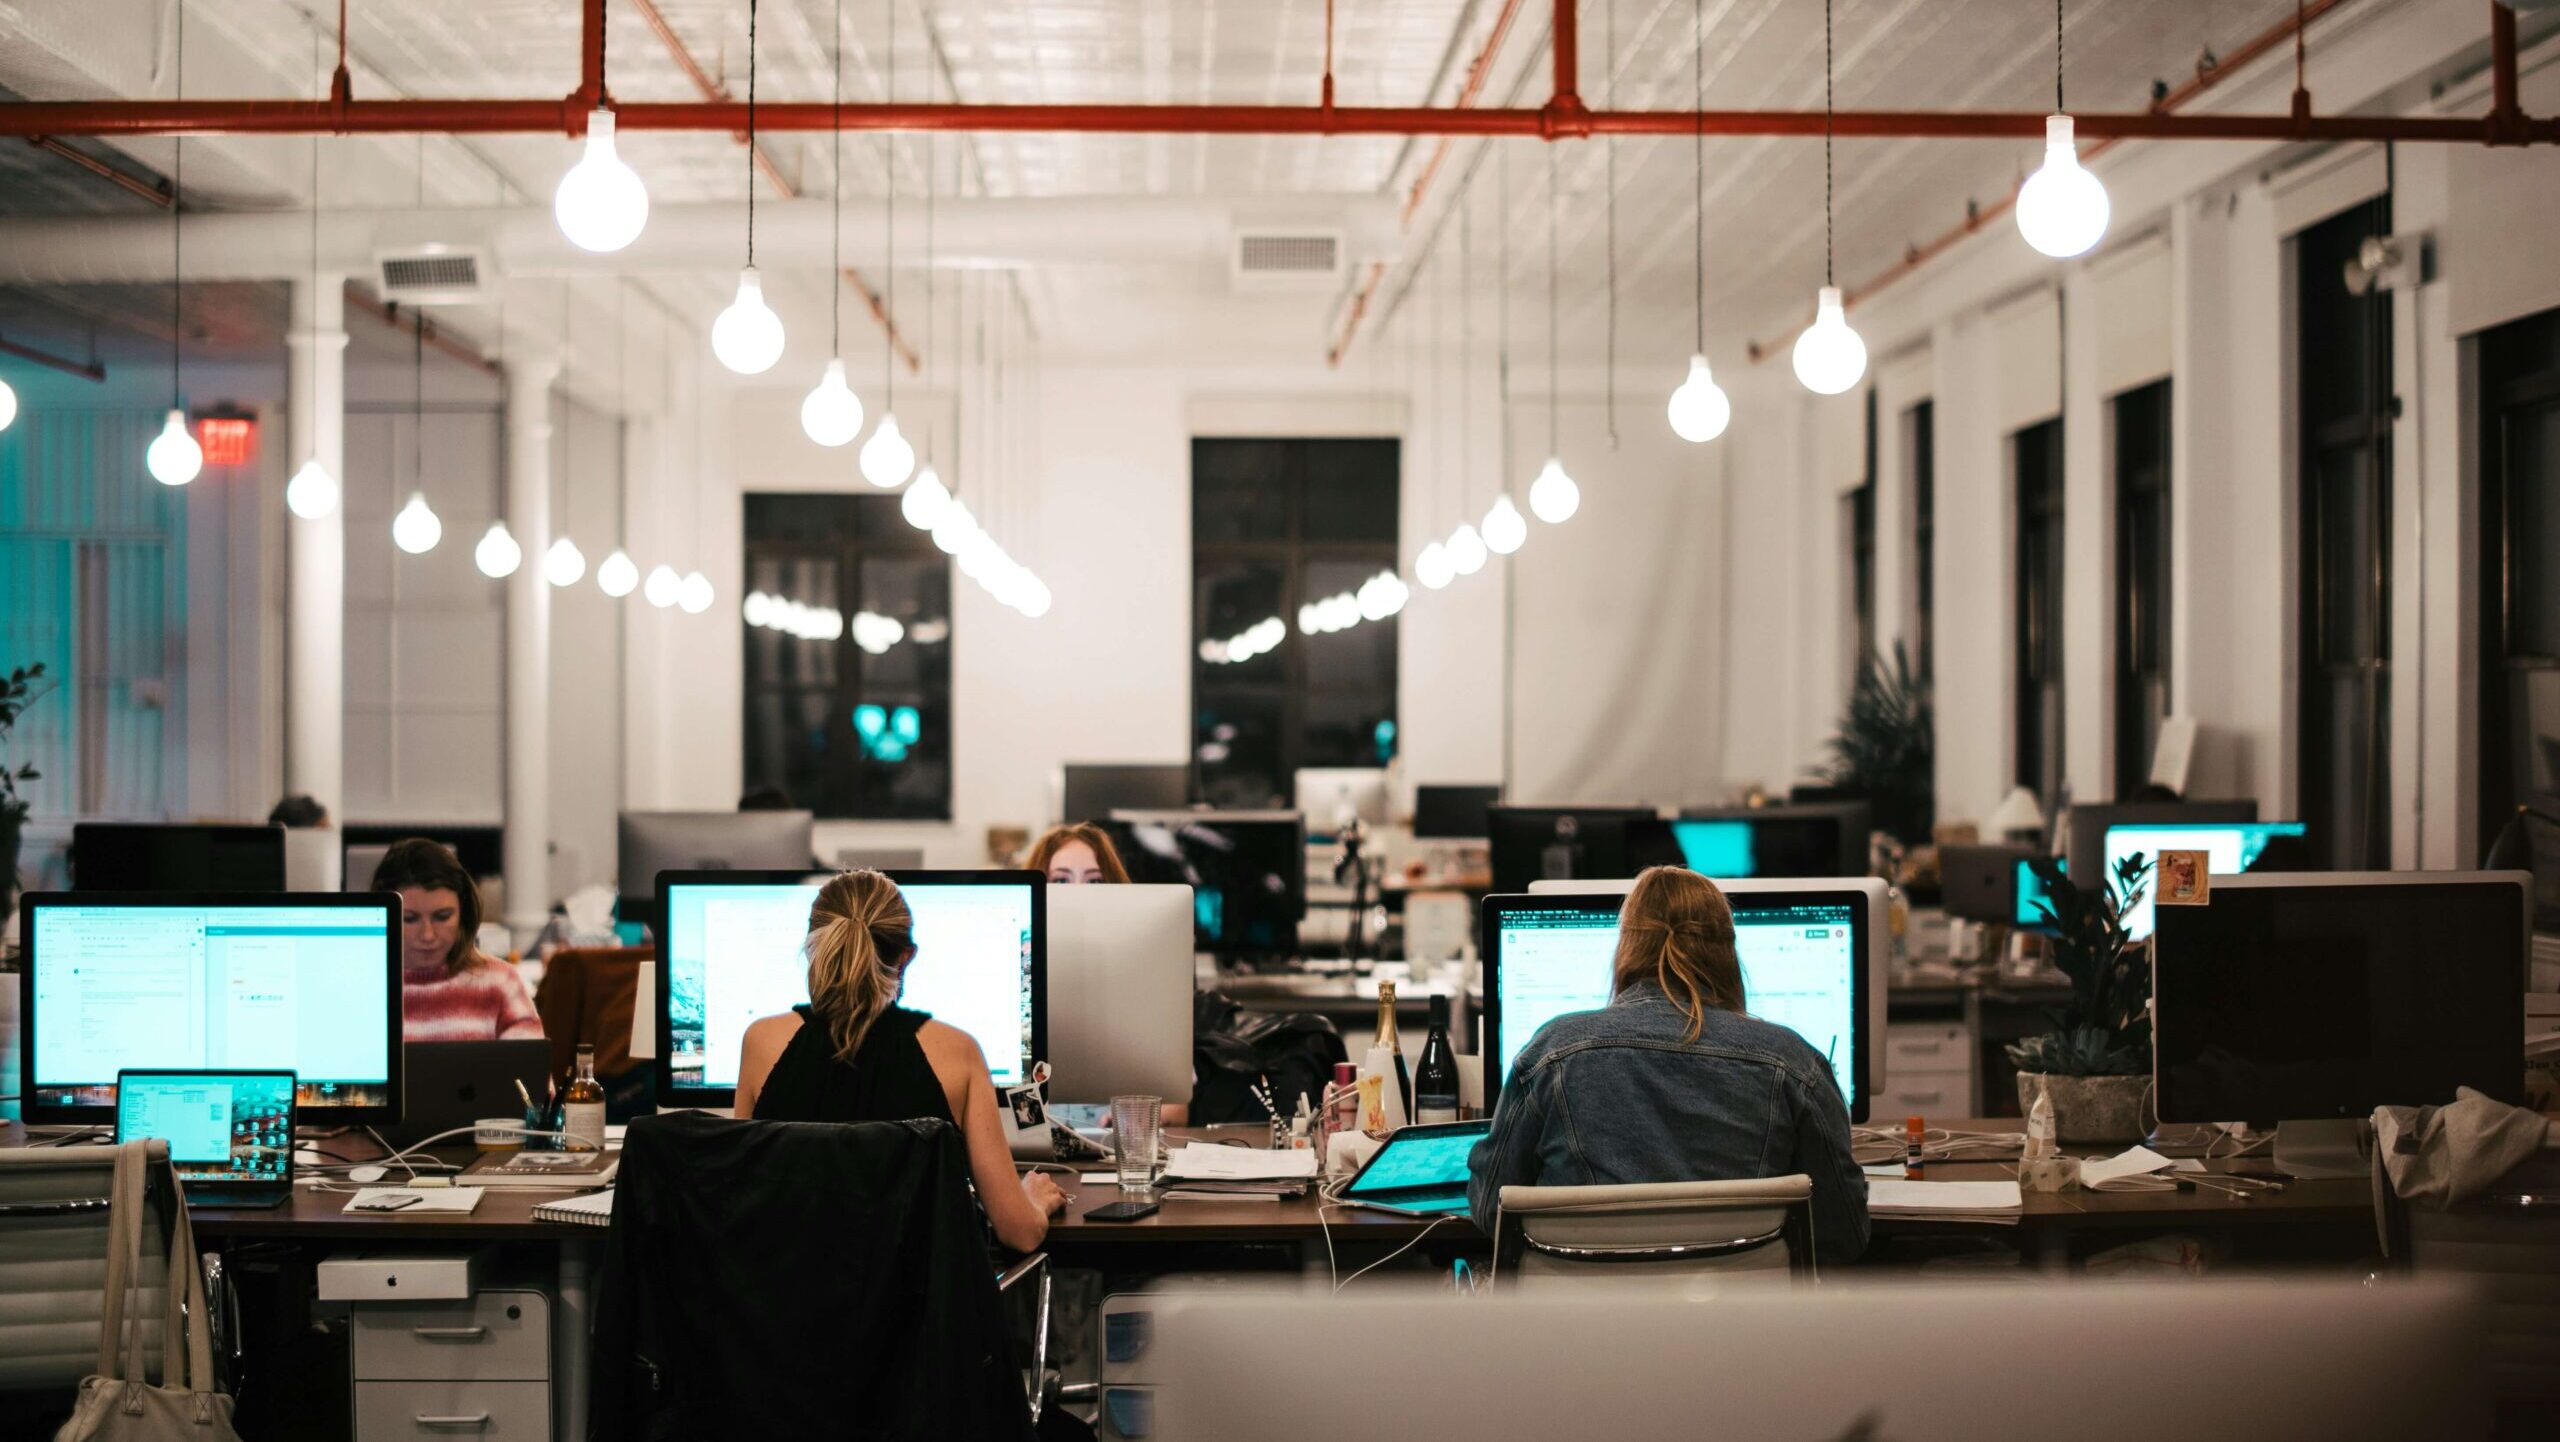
pixel 954 528
pixel 1505 529
pixel 618 576
pixel 174 457
pixel 1699 409
pixel 887 458
pixel 1829 356
pixel 2062 209
pixel 662 587
pixel 925 500
pixel 312 493
pixel 1432 567
pixel 497 555
pixel 1035 598
pixel 564 563
pixel 416 529
pixel 695 593
pixel 748 335
pixel 1466 550
pixel 1553 497
pixel 8 405
pixel 601 204
pixel 831 414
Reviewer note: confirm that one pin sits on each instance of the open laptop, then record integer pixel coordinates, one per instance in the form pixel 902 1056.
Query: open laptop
pixel 1420 1171
pixel 455 1083
pixel 230 1133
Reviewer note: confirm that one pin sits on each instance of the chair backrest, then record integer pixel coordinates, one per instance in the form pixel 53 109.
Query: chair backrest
pixel 53 1261
pixel 1668 1230
pixel 586 996
pixel 2506 1244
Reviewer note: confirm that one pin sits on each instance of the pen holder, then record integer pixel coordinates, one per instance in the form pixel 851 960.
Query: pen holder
pixel 536 1120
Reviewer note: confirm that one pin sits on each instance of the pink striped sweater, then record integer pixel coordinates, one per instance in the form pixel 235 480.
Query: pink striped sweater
pixel 486 1001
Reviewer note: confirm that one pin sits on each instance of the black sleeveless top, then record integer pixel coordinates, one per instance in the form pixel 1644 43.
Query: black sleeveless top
pixel 888 1080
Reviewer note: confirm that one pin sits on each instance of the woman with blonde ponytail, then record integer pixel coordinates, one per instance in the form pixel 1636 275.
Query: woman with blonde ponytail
pixel 852 1054
pixel 1674 1081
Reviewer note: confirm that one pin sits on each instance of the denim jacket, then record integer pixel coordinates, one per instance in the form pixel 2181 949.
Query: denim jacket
pixel 1623 1094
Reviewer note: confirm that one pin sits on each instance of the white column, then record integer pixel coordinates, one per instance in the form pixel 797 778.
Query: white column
pixel 528 828
pixel 316 590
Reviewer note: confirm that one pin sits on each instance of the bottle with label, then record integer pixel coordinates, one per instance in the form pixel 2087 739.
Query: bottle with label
pixel 2040 1142
pixel 1435 1077
pixel 582 1106
pixel 1393 1064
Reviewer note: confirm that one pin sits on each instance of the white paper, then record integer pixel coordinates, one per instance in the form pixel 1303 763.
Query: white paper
pixel 429 1199
pixel 2134 1162
pixel 1890 1196
pixel 1209 1162
pixel 644 1013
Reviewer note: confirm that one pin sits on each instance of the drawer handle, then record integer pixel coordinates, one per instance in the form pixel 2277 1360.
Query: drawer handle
pixel 475 1420
pixel 1933 1094
pixel 1928 1046
pixel 450 1334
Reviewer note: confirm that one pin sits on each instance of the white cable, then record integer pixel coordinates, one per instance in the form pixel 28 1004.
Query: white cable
pixel 1391 1256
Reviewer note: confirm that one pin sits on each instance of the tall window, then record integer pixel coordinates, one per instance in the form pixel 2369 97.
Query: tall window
pixel 2037 458
pixel 854 725
pixel 1920 463
pixel 2344 366
pixel 2519 541
pixel 1861 505
pixel 2142 580
pixel 1277 525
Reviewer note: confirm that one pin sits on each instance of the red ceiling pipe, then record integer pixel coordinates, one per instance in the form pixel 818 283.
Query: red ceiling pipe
pixel 86 370
pixel 591 91
pixel 134 184
pixel 2507 122
pixel 1324 93
pixel 1566 115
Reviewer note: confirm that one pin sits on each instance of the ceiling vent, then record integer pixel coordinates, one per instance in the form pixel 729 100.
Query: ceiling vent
pixel 434 275
pixel 1287 259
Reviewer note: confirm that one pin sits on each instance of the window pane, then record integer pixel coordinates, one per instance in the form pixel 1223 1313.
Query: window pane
pixel 1240 490
pixel 2348 629
pixel 2533 532
pixel 1361 658
pixel 1349 730
pixel 1229 599
pixel 1239 748
pixel 1351 491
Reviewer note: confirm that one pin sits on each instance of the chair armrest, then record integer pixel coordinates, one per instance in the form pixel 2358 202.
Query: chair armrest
pixel 1020 1269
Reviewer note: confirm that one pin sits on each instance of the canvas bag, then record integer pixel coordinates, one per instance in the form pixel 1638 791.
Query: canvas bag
pixel 120 1406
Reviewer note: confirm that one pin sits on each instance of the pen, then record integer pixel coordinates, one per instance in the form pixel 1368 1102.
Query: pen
pixel 524 1093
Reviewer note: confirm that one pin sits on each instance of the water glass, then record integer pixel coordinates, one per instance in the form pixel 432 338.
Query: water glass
pixel 1136 1122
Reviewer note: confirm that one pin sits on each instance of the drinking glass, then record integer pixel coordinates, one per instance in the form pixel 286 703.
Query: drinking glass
pixel 1136 1123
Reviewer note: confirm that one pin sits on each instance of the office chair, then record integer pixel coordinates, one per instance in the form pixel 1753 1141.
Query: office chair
pixel 1671 1231
pixel 54 1209
pixel 2507 1246
pixel 587 995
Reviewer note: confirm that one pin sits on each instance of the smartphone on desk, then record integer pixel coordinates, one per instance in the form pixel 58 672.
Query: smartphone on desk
pixel 1122 1211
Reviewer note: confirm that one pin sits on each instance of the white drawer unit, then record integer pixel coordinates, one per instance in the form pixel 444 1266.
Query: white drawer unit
pixel 499 1336
pixel 430 1411
pixel 1929 1072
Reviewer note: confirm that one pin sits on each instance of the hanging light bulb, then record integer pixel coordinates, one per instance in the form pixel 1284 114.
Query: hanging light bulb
pixel 8 405
pixel 313 492
pixel 1504 527
pixel 955 528
pixel 564 563
pixel 1432 567
pixel 831 414
pixel 174 457
pixel 1699 408
pixel 748 335
pixel 601 204
pixel 663 587
pixel 1553 496
pixel 1829 357
pixel 695 595
pixel 1466 549
pixel 497 555
pixel 1035 598
pixel 887 458
pixel 2062 209
pixel 925 501
pixel 416 529
pixel 617 576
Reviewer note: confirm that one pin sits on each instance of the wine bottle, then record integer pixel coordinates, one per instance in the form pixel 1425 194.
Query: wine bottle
pixel 1435 1078
pixel 582 1106
pixel 1394 1045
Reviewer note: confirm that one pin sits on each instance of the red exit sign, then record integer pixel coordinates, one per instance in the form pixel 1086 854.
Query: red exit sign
pixel 227 440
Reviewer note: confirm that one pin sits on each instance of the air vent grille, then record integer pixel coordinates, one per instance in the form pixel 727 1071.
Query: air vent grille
pixel 1287 259
pixel 435 275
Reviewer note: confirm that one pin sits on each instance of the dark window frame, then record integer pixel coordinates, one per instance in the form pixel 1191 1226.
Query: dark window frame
pixel 2037 679
pixel 1860 521
pixel 1919 430
pixel 2519 367
pixel 2143 598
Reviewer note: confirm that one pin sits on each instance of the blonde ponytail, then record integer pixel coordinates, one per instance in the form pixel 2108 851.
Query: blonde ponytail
pixel 859 936
pixel 1676 931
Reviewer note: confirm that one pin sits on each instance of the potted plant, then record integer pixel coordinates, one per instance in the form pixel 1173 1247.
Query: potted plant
pixel 2096 1062
pixel 16 693
pixel 1885 748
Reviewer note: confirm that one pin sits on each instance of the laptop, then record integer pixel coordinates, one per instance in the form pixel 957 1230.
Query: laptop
pixel 1420 1171
pixel 452 1084
pixel 230 1133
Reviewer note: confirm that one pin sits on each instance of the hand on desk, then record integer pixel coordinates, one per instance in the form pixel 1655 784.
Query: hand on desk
pixel 1044 1193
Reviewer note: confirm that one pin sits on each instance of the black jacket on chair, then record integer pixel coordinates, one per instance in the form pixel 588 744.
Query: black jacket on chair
pixel 799 1280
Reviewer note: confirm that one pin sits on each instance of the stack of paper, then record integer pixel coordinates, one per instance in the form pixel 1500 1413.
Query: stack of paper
pixel 1209 1162
pixel 1994 1203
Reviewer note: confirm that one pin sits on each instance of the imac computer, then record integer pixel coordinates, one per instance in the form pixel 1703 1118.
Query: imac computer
pixel 1980 883
pixel 1812 952
pixel 1332 797
pixel 1453 813
pixel 146 856
pixel 650 842
pixel 1576 843
pixel 308 984
pixel 2086 841
pixel 1091 792
pixel 1247 871
pixel 1120 974
pixel 733 950
pixel 482 850
pixel 2308 1001
pixel 2231 848
pixel 1816 839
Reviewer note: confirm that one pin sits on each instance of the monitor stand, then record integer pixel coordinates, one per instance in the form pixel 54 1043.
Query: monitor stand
pixel 2330 1148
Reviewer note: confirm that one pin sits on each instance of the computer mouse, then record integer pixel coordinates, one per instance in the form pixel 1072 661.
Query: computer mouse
pixel 367 1173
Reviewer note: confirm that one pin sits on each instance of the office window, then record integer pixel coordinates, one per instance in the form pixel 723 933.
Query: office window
pixel 1861 507
pixel 1278 524
pixel 1920 463
pixel 2142 580
pixel 856 725
pixel 2519 595
pixel 2036 455
pixel 2344 637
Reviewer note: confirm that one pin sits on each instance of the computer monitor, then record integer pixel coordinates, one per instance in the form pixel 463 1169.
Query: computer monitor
pixel 732 949
pixel 2085 848
pixel 307 983
pixel 1120 972
pixel 150 856
pixel 1811 957
pixel 1091 792
pixel 1331 796
pixel 481 849
pixel 2305 1000
pixel 1454 813
pixel 1247 871
pixel 2230 847
pixel 223 1127
pixel 1827 838
pixel 1981 883
pixel 651 842
pixel 2033 896
pixel 1576 843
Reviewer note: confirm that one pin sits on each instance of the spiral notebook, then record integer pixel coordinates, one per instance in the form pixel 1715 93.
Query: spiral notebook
pixel 590 1209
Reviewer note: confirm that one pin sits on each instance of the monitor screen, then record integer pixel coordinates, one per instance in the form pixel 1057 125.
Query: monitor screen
pixel 1717 848
pixel 1816 839
pixel 220 1126
pixel 1576 843
pixel 2089 822
pixel 733 950
pixel 1420 1161
pixel 1247 871
pixel 2033 895
pixel 2302 998
pixel 1801 968
pixel 650 842
pixel 137 856
pixel 305 984
pixel 2231 847
pixel 1090 792
pixel 1453 813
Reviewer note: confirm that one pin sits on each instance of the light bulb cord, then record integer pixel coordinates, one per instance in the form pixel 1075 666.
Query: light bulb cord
pixel 177 196
pixel 2057 57
pixel 1609 403
pixel 889 268
pixel 418 400
pixel 835 279
pixel 1828 277
pixel 751 134
pixel 1555 205
pixel 1698 145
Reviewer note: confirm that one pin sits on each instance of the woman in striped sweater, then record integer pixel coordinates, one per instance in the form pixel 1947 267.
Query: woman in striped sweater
pixel 449 989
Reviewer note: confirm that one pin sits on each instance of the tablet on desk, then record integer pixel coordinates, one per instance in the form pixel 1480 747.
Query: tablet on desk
pixel 1420 1171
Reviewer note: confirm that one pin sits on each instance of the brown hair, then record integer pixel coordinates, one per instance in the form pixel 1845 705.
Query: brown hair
pixel 1058 838
pixel 859 935
pixel 424 865
pixel 1676 931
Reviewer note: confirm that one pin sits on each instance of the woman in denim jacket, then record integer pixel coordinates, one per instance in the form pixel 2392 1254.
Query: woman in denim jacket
pixel 1673 1081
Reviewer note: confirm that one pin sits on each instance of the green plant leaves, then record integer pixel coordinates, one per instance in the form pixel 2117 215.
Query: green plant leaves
pixel 2106 1030
pixel 1886 746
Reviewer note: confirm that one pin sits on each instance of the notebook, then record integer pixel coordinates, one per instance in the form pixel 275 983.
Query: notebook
pixel 569 1171
pixel 592 1209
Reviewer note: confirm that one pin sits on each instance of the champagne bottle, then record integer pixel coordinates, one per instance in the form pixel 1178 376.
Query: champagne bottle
pixel 582 1106
pixel 1394 1045
pixel 1435 1078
